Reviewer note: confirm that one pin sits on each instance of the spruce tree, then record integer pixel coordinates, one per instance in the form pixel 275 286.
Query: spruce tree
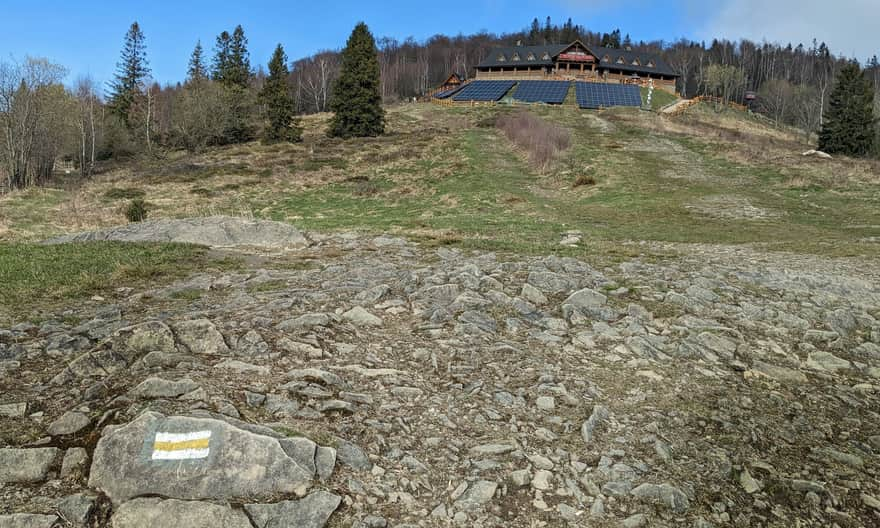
pixel 220 70
pixel 280 110
pixel 132 71
pixel 548 32
pixel 196 73
pixel 239 59
pixel 535 32
pixel 848 127
pixel 356 100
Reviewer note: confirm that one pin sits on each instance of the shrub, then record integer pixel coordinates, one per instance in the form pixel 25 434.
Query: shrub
pixel 541 140
pixel 136 210
pixel 583 180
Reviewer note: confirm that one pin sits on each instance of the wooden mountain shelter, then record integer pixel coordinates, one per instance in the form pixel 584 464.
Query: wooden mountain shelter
pixel 579 62
pixel 454 81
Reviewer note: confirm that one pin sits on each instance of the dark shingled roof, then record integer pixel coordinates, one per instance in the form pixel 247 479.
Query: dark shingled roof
pixel 660 66
pixel 492 60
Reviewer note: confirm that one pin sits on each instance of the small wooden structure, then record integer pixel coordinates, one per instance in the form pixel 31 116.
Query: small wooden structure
pixel 454 81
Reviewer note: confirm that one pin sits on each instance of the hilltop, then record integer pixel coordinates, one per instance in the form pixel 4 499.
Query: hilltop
pixel 675 321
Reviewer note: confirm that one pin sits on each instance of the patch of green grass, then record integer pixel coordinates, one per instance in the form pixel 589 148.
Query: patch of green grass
pixel 190 294
pixel 26 213
pixel 659 98
pixel 37 276
pixel 483 196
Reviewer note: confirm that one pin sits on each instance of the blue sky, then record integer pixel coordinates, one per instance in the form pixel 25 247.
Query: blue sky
pixel 86 35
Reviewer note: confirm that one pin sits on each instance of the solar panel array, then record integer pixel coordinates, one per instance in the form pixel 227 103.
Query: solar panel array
pixel 446 93
pixel 484 91
pixel 602 95
pixel 553 92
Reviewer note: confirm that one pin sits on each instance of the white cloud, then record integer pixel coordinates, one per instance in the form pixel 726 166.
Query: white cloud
pixel 849 27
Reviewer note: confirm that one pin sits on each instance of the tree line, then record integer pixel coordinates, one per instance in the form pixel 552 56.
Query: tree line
pixel 222 101
pixel 226 100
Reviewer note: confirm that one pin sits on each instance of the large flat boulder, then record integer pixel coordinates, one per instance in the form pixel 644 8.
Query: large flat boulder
pixel 153 512
pixel 215 231
pixel 193 458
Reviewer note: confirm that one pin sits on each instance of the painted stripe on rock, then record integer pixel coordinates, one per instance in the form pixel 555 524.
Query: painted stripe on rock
pixel 181 446
pixel 181 454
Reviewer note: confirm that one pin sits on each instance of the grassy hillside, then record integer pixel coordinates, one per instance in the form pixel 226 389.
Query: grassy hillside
pixel 447 175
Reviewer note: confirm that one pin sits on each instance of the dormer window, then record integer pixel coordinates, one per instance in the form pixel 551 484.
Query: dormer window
pixel 515 56
pixel 501 57
pixel 546 56
pixel 651 64
pixel 531 56
pixel 620 60
pixel 606 58
pixel 636 62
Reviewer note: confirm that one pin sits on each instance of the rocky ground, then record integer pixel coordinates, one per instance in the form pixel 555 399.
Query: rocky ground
pixel 379 383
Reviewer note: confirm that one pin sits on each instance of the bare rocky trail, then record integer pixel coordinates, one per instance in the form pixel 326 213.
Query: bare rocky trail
pixel 379 383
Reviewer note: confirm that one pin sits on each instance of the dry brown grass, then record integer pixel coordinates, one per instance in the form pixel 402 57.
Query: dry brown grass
pixel 540 139
pixel 751 141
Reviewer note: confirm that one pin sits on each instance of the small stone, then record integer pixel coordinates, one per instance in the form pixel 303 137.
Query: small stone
pixel 153 388
pixel 336 406
pixel 200 336
pixel 599 415
pixel 13 410
pixel 361 317
pixel 312 511
pixel 75 460
pixel 663 494
pixel 27 520
pixel 586 299
pixel 26 465
pixel 521 478
pixel 543 480
pixel 636 521
pixel 749 484
pixel 870 502
pixel 492 449
pixel 301 450
pixel 546 403
pixel 373 521
pixel 541 462
pixel 477 494
pixel 349 454
pixel 827 361
pixel 242 367
pixel 533 295
pixel 77 508
pixel 325 462
pixel 69 423
pixel 567 512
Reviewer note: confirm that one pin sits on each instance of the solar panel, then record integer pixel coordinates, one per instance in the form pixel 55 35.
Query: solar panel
pixel 446 93
pixel 553 92
pixel 604 95
pixel 484 91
